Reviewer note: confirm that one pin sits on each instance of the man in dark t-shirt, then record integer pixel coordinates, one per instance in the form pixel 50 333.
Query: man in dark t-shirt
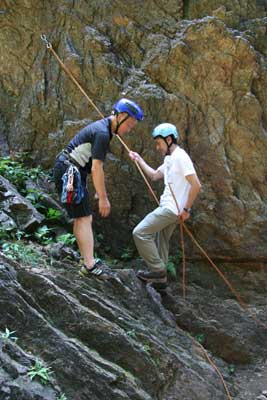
pixel 87 152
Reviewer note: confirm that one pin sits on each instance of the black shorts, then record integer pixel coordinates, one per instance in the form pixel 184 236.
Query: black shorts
pixel 82 209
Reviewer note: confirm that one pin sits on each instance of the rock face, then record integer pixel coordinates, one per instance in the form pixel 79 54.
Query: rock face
pixel 121 340
pixel 232 12
pixel 102 340
pixel 16 210
pixel 199 65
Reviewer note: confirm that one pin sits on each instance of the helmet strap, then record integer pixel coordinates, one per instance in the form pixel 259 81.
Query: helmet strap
pixel 169 146
pixel 120 123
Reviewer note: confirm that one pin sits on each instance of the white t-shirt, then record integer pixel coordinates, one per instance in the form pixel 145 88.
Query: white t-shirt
pixel 175 168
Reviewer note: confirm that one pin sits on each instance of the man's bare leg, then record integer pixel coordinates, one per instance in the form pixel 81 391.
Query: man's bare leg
pixel 82 229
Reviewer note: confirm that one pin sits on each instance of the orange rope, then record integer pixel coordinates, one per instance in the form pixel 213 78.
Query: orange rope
pixel 139 169
pixel 204 351
pixel 75 81
pixel 243 304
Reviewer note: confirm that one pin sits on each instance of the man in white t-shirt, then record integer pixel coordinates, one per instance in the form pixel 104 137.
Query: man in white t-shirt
pixel 153 233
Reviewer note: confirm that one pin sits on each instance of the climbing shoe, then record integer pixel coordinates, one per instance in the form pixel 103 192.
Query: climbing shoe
pixel 99 271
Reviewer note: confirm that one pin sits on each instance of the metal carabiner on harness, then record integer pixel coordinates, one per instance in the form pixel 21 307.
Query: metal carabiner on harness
pixel 69 186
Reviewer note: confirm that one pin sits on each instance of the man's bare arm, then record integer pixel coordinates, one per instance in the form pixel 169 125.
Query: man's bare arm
pixel 98 177
pixel 153 174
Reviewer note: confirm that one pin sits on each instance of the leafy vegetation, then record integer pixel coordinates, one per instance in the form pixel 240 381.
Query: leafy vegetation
pixel 5 233
pixel 7 335
pixel 43 235
pixel 62 397
pixel 14 170
pixel 53 214
pixel 200 337
pixel 18 174
pixel 171 268
pixel 20 252
pixel 40 371
pixel 67 238
pixel 11 233
pixel 173 262
pixel 15 243
pixel 131 333
pixel 127 254
pixel 35 197
pixel 231 369
pixel 146 348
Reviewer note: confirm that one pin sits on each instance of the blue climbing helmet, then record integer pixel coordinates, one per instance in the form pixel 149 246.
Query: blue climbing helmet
pixel 129 107
pixel 165 130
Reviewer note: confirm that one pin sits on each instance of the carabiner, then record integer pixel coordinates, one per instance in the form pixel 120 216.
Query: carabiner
pixel 44 39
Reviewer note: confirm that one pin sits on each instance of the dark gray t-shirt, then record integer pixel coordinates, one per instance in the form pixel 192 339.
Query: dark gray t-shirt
pixel 91 142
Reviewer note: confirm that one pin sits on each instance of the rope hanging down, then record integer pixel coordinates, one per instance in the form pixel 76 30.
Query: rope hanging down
pixel 243 304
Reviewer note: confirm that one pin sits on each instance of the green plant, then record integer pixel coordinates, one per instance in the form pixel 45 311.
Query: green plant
pixel 13 171
pixel 231 369
pixel 67 238
pixel 17 173
pixel 7 335
pixel 127 254
pixel 18 235
pixel 171 268
pixel 200 337
pixel 11 233
pixel 43 234
pixel 62 397
pixel 172 263
pixel 131 333
pixel 146 348
pixel 35 173
pixel 35 197
pixel 40 371
pixel 53 214
pixel 4 234
pixel 21 252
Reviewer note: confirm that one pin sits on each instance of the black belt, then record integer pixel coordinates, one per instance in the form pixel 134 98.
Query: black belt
pixel 66 154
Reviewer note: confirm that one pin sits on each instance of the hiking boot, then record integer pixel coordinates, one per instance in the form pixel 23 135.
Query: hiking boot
pixel 159 276
pixel 100 271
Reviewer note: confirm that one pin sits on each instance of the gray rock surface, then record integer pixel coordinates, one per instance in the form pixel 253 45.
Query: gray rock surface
pixel 16 210
pixel 102 339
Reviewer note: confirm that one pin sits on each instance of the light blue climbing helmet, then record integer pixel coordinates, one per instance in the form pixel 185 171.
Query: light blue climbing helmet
pixel 164 130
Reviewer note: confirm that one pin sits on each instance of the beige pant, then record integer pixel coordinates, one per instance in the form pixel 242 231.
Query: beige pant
pixel 152 236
